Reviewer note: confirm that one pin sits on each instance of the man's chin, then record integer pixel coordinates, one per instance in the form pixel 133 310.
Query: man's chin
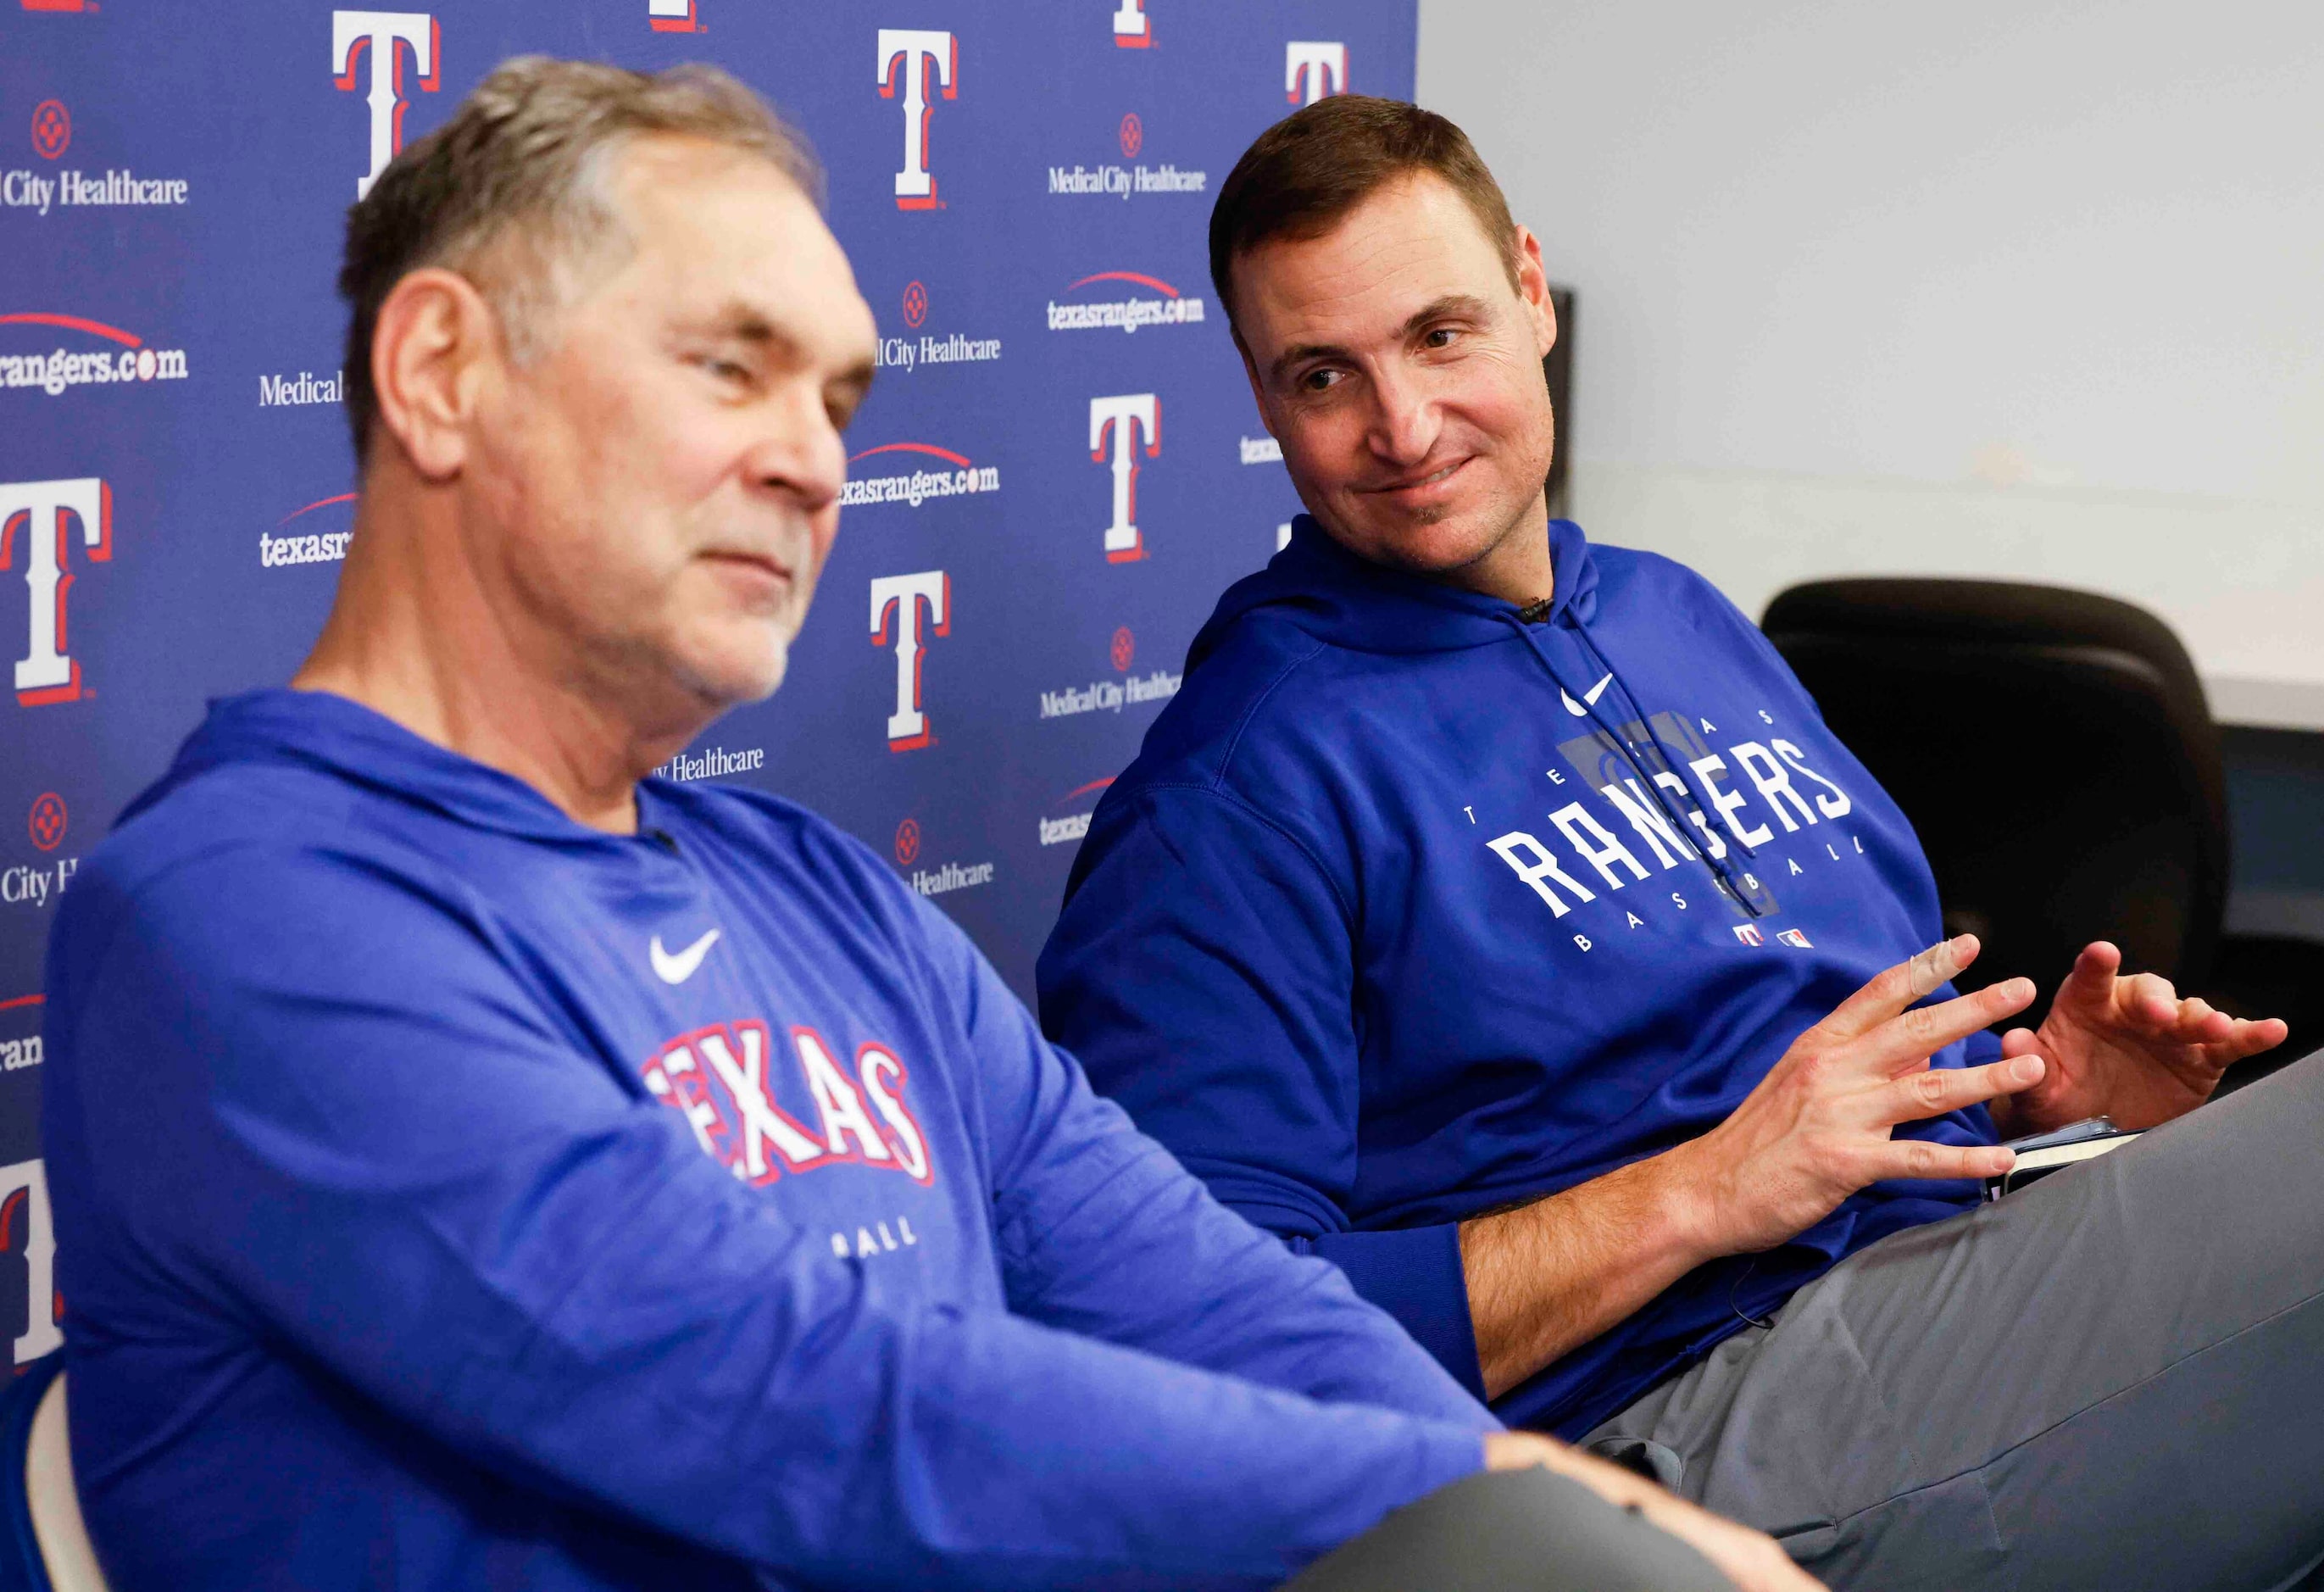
pixel 737 679
pixel 1436 542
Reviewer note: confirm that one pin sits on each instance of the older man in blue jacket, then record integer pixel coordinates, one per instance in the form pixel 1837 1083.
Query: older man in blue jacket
pixel 1493 914
pixel 478 1164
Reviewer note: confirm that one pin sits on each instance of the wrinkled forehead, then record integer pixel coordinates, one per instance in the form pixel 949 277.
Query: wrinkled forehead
pixel 1411 243
pixel 709 225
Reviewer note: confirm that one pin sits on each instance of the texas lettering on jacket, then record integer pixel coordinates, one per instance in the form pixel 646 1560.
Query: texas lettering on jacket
pixel 722 1079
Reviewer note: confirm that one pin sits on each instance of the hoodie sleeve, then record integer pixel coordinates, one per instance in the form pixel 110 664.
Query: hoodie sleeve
pixel 1101 1232
pixel 324 1107
pixel 1202 970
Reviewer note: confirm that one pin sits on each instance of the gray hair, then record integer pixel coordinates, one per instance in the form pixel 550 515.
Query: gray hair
pixel 511 191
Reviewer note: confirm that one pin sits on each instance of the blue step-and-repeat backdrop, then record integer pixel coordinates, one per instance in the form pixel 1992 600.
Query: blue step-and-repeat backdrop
pixel 1058 471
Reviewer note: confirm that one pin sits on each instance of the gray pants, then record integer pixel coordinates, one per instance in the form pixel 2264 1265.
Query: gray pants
pixel 1512 1530
pixel 2112 1379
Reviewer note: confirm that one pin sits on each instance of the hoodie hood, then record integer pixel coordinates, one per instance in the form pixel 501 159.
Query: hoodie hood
pixel 1337 597
pixel 329 734
pixel 1344 601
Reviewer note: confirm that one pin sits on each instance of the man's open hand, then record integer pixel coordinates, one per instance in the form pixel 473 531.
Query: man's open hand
pixel 2127 1048
pixel 1818 1127
pixel 1748 1558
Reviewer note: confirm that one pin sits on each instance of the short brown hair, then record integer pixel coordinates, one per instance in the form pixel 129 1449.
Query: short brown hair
pixel 518 177
pixel 1306 173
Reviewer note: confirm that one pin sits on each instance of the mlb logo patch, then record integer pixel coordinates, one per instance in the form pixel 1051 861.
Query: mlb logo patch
pixel 1793 937
pixel 1750 934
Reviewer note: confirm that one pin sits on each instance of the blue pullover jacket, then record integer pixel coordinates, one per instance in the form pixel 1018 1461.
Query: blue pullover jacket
pixel 1415 904
pixel 451 1196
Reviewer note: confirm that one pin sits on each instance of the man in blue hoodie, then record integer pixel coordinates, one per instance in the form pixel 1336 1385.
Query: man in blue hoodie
pixel 1487 915
pixel 478 1164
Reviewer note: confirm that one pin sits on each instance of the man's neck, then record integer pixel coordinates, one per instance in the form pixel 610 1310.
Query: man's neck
pixel 413 638
pixel 1516 568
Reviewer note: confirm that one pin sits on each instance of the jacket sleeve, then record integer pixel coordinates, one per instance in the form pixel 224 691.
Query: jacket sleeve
pixel 1103 1232
pixel 1202 970
pixel 355 1131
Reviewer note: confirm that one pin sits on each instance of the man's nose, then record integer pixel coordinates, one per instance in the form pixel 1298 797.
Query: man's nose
pixel 799 452
pixel 1404 419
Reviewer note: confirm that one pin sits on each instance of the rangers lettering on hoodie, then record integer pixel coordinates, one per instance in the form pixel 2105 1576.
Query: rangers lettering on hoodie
pixel 1777 768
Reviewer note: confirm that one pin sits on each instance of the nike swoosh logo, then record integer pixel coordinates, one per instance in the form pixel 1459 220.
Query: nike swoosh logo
pixel 1589 695
pixel 678 969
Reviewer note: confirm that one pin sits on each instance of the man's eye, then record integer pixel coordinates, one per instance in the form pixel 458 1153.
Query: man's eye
pixel 725 370
pixel 1318 381
pixel 1440 337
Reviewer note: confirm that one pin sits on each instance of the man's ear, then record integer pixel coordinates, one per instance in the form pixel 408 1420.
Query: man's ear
pixel 1533 288
pixel 435 345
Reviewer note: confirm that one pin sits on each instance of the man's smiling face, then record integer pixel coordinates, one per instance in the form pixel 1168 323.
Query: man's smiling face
pixel 1401 371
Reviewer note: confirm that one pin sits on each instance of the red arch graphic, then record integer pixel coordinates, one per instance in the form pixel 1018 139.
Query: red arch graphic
pixel 318 503
pixel 944 453
pixel 96 328
pixel 1139 277
pixel 29 1000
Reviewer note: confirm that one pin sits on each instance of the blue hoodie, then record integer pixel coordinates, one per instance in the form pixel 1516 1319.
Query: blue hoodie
pixel 1415 904
pixel 448 1195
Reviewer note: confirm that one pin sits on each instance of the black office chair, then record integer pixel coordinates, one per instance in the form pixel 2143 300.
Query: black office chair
pixel 2054 751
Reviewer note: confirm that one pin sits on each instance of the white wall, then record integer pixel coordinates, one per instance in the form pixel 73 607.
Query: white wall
pixel 2032 290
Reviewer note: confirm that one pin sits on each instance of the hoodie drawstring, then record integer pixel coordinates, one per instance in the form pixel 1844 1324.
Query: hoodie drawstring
pixel 1721 868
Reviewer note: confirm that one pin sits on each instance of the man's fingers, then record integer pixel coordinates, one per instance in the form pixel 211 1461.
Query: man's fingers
pixel 2095 968
pixel 1897 989
pixel 2020 1042
pixel 1920 1159
pixel 2148 998
pixel 1913 1036
pixel 2203 1023
pixel 1940 1089
pixel 2249 1038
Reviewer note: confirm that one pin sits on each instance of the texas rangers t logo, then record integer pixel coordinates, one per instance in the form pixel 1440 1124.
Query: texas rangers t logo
pixel 25 1186
pixel 35 516
pixel 1120 416
pixel 906 596
pixel 1132 30
pixel 1321 68
pixel 914 48
pixel 384 33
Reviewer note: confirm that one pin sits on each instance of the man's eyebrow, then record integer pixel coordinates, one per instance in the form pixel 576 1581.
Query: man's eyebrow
pixel 742 322
pixel 1435 309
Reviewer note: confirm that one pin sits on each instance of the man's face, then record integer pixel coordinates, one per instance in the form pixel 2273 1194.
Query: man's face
pixel 1402 374
pixel 661 488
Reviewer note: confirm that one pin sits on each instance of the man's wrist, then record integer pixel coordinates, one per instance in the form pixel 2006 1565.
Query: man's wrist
pixel 1679 1190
